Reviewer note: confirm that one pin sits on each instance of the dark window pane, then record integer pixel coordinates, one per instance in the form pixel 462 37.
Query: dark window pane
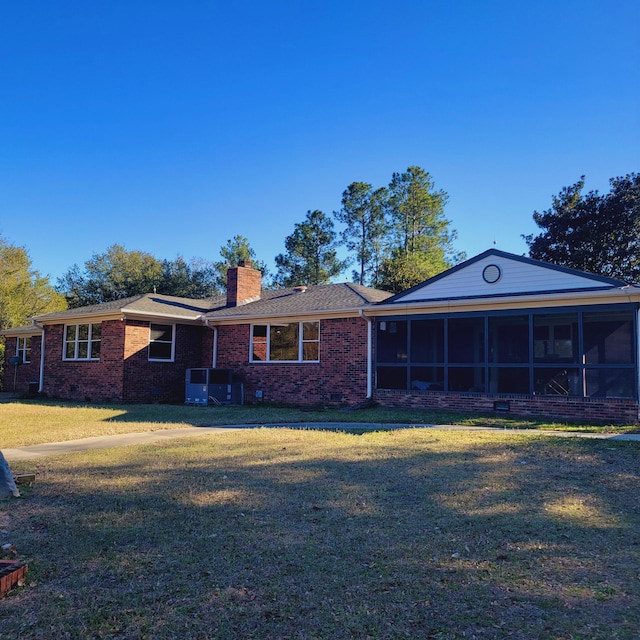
pixel 555 338
pixel 427 378
pixel 95 349
pixel 466 379
pixel 611 383
pixel 260 331
pixel 427 341
pixel 608 338
pixel 71 332
pixel 163 332
pixel 466 340
pixel 83 331
pixel 391 378
pixel 392 341
pixel 509 339
pixel 83 350
pixel 557 381
pixel 509 380
pixel 310 331
pixel 70 350
pixel 96 331
pixel 310 351
pixel 284 342
pixel 160 351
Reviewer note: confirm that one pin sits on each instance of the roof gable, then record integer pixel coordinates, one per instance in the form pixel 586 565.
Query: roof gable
pixel 496 273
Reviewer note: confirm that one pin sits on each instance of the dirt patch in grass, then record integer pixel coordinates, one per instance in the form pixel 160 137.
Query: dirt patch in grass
pixel 277 533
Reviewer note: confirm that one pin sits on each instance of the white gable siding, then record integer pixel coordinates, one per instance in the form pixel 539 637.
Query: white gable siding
pixel 517 277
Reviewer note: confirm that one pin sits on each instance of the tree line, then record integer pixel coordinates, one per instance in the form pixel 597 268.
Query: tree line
pixel 395 237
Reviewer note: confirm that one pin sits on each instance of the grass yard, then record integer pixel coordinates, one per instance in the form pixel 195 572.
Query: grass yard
pixel 27 422
pixel 297 534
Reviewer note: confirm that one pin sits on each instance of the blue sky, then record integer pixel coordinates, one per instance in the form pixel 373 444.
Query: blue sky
pixel 171 127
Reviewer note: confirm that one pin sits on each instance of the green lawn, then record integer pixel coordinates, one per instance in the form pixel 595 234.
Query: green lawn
pixel 292 533
pixel 26 422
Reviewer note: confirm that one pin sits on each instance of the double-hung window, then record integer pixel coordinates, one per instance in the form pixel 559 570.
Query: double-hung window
pixel 23 349
pixel 162 342
pixel 285 342
pixel 82 341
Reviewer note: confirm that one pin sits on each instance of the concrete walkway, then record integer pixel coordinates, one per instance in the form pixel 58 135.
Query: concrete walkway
pixel 127 439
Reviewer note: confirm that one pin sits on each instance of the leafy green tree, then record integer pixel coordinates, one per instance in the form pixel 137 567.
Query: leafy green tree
pixel 311 256
pixel 194 279
pixel 420 240
pixel 112 275
pixel 592 232
pixel 233 253
pixel 24 292
pixel 363 214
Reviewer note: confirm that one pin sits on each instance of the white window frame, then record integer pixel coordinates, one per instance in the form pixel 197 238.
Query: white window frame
pixel 23 349
pixel 173 341
pixel 76 342
pixel 301 342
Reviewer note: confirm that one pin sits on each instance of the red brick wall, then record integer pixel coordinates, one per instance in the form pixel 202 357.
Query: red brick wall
pixel 146 381
pixel 91 381
pixel 124 373
pixel 340 376
pixel 24 373
pixel 597 410
pixel 243 283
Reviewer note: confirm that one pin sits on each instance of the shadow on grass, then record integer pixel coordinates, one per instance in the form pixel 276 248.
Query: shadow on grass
pixel 259 414
pixel 303 534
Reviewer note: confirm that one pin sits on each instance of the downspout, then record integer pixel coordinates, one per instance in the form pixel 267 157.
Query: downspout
pixel 41 376
pixel 369 353
pixel 214 355
pixel 638 359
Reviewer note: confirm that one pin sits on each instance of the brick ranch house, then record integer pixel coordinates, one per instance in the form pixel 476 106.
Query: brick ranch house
pixel 498 332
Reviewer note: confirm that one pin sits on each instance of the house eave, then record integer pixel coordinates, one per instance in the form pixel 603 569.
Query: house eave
pixel 150 315
pixel 217 321
pixel 95 316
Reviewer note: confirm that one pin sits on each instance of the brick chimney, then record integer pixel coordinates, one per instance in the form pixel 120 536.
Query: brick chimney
pixel 244 284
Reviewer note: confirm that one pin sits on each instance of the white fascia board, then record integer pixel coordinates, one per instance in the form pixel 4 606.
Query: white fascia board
pixel 150 315
pixel 75 319
pixel 309 315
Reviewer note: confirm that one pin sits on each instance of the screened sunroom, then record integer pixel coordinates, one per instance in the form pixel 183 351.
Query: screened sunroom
pixel 578 352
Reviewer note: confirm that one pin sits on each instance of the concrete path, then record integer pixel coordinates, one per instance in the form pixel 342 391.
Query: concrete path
pixel 128 439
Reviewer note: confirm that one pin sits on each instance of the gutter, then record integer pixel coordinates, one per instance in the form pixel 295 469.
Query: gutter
pixel 369 353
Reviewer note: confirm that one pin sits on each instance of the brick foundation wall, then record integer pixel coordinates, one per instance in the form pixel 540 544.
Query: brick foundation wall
pixel 339 378
pixel 91 381
pixel 588 410
pixel 24 373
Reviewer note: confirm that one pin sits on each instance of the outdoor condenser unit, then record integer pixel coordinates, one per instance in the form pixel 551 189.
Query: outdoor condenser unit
pixel 212 386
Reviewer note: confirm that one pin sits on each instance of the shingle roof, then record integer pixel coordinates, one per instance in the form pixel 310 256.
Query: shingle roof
pixel 150 303
pixel 314 299
pixel 27 330
pixel 297 301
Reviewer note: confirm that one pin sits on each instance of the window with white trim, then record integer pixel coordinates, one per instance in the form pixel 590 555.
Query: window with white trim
pixel 23 349
pixel 285 342
pixel 162 342
pixel 82 341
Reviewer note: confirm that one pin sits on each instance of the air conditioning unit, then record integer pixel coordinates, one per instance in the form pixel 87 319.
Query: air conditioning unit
pixel 212 386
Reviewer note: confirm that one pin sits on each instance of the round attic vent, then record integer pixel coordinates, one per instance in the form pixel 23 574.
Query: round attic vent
pixel 491 273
